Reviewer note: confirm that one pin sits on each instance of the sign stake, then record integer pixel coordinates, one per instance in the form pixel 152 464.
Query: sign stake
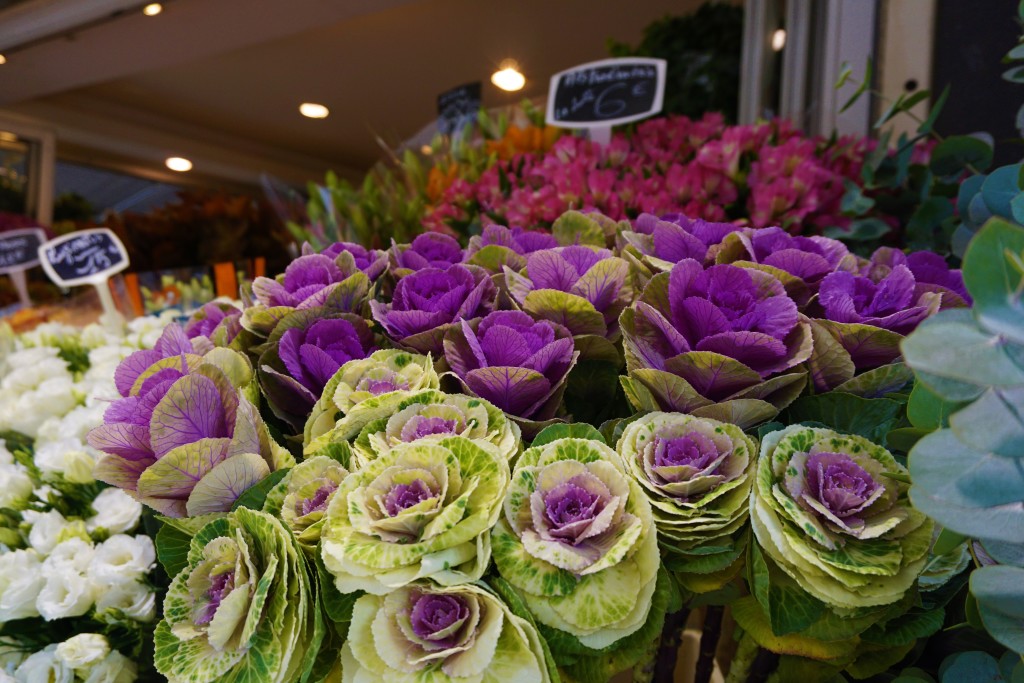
pixel 19 251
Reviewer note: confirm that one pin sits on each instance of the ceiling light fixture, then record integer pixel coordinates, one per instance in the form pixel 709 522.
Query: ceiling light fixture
pixel 7 137
pixel 152 9
pixel 3 60
pixel 312 110
pixel 508 76
pixel 779 39
pixel 179 164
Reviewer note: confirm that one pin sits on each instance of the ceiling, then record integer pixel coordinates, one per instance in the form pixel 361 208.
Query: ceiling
pixel 221 81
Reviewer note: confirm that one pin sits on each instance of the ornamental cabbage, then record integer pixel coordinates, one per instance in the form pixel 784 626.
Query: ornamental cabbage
pixel 242 609
pixel 303 353
pixel 221 323
pixel 499 246
pixel 931 274
pixel 831 510
pixel 799 263
pixel 696 474
pixel 431 414
pixel 370 261
pixel 581 288
pixel 300 499
pixel 184 440
pixel 427 250
pixel 363 391
pixel 578 542
pixel 429 301
pixel 421 511
pixel 659 243
pixel 515 362
pixel 426 632
pixel 725 335
pixel 328 280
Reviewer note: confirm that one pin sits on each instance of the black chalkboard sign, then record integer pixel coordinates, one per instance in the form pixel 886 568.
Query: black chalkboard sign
pixel 606 93
pixel 83 257
pixel 19 249
pixel 457 106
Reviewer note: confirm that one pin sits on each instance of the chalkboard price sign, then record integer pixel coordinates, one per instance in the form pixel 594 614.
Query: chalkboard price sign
pixel 457 106
pixel 86 257
pixel 606 93
pixel 19 249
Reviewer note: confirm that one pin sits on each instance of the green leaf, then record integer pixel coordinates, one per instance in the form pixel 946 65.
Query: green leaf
pixel 1014 75
pixel 871 418
pixel 905 628
pixel 861 89
pixel 971 667
pixel 956 153
pixel 854 203
pixel 928 410
pixel 863 230
pixel 993 279
pixel 172 546
pixel 999 591
pixel 256 495
pixel 929 123
pixel 903 438
pixel 947 542
pixel 753 620
pixel 575 430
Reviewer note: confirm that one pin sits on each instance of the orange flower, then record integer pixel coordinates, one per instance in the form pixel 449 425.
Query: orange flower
pixel 439 180
pixel 519 140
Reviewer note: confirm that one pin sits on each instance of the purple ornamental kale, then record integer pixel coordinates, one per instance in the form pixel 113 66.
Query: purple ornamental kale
pixel 725 309
pixel 428 250
pixel 293 374
pixel 437 620
pixel 515 362
pixel 808 258
pixel 520 241
pixel 891 303
pixel 931 274
pixel 172 342
pixel 370 261
pixel 674 237
pixel 303 284
pixel 212 318
pixel 427 302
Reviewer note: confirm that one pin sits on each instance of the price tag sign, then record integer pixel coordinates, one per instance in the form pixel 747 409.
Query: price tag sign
pixel 456 106
pixel 19 249
pixel 610 92
pixel 86 257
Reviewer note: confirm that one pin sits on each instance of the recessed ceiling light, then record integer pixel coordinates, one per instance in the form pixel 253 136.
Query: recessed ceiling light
pixel 152 9
pixel 508 77
pixel 3 60
pixel 313 110
pixel 178 164
pixel 779 39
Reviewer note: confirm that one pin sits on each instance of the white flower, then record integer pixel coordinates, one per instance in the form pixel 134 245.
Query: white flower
pixel 146 331
pixel 116 511
pixel 122 558
pixel 6 457
pixel 11 655
pixel 44 667
pixel 72 554
pixel 68 594
pixel 115 668
pixel 15 486
pixel 128 599
pixel 20 583
pixel 69 458
pixel 46 529
pixel 81 652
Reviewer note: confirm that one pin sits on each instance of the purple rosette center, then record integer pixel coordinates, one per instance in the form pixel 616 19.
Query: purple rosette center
pixel 566 506
pixel 420 426
pixel 404 496
pixel 693 450
pixel 842 486
pixel 220 585
pixel 318 501
pixel 437 618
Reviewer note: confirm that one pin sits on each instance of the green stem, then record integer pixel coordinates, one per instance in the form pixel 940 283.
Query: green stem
pixel 709 637
pixel 746 652
pixel 668 651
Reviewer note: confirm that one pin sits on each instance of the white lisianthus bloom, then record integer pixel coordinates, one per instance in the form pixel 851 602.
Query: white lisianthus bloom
pixel 69 591
pixel 15 486
pixel 128 599
pixel 145 331
pixel 116 511
pixel 68 458
pixel 83 651
pixel 37 385
pixel 95 336
pixel 20 583
pixel 44 667
pixel 11 655
pixel 115 668
pixel 6 457
pixel 49 334
pixel 122 558
pixel 46 529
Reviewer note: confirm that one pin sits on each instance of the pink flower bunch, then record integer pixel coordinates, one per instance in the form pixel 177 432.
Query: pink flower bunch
pixel 763 174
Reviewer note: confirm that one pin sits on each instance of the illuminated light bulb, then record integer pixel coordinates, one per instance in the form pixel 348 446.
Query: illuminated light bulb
pixel 312 110
pixel 427 149
pixel 508 77
pixel 3 60
pixel 179 164
pixel 779 39
pixel 152 9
